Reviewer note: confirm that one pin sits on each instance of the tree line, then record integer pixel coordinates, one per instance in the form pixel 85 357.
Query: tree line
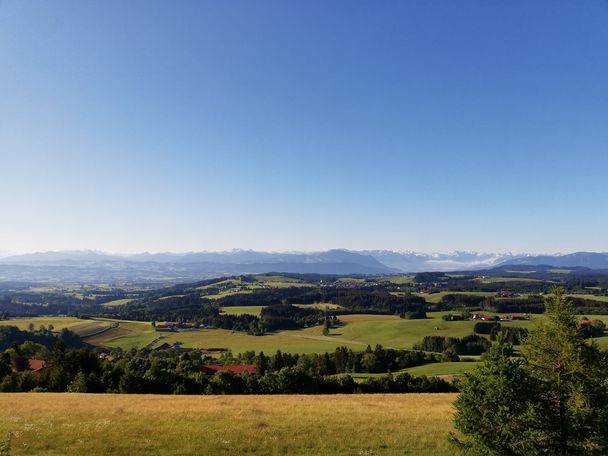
pixel 342 360
pixel 174 372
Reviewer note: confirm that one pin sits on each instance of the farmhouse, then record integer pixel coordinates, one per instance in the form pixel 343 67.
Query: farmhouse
pixel 175 346
pixel 485 317
pixel 502 317
pixel 36 365
pixel 175 327
pixel 107 357
pixel 212 369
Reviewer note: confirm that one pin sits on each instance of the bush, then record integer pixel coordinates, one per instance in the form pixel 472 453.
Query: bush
pixel 468 345
pixel 513 335
pixel 485 327
pixel 416 315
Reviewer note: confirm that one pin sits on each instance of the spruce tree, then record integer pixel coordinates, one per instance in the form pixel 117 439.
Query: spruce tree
pixel 553 400
pixel 571 378
pixel 496 412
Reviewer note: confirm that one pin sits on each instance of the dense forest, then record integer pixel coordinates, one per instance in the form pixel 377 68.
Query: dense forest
pixel 181 372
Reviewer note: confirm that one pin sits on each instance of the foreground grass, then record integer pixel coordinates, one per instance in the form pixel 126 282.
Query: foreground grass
pixel 77 424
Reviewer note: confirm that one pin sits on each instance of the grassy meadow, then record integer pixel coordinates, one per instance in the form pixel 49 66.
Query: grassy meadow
pixel 257 310
pixel 435 298
pixel 117 302
pixel 234 286
pixel 448 368
pixel 95 425
pixel 84 328
pixel 242 310
pixel 590 297
pixel 356 332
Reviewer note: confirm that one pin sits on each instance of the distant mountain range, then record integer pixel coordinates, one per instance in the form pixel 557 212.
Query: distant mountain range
pixel 96 266
pixel 591 260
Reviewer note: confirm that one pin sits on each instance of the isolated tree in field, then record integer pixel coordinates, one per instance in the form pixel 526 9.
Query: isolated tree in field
pixel 326 326
pixel 496 411
pixel 571 378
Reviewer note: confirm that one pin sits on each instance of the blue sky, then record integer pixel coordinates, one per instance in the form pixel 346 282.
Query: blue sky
pixel 304 125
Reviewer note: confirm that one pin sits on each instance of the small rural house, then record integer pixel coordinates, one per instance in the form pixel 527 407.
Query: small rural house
pixel 212 369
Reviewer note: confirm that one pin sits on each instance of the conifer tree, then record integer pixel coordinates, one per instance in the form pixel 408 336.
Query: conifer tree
pixel 554 401
pixel 571 378
pixel 496 411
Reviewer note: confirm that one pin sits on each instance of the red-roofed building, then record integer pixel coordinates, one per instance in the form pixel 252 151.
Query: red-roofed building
pixel 212 369
pixel 36 365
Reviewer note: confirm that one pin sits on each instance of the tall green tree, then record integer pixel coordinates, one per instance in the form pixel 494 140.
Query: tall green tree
pixel 551 401
pixel 496 411
pixel 571 378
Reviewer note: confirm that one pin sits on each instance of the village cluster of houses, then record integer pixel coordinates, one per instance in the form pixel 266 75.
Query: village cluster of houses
pixel 500 317
pixel 36 366
pixel 176 327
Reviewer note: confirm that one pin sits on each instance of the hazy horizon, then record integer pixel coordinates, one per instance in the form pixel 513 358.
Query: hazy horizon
pixel 5 253
pixel 285 126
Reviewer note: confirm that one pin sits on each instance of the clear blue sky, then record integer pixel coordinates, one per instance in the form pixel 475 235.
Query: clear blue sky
pixel 302 125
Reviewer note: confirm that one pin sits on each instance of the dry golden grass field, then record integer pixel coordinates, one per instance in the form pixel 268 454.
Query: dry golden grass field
pixel 95 425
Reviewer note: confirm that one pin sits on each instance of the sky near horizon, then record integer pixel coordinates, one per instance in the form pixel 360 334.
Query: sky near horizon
pixel 304 125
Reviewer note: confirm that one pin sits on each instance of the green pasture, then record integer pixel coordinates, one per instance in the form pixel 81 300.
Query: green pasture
pixel 447 369
pixel 355 280
pixel 506 279
pixel 590 297
pixel 435 298
pixel 257 310
pixel 242 310
pixel 398 279
pixel 279 279
pixel 84 328
pixel 117 302
pixel 355 331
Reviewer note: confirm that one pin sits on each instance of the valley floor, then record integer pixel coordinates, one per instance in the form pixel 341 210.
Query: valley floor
pixel 79 424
